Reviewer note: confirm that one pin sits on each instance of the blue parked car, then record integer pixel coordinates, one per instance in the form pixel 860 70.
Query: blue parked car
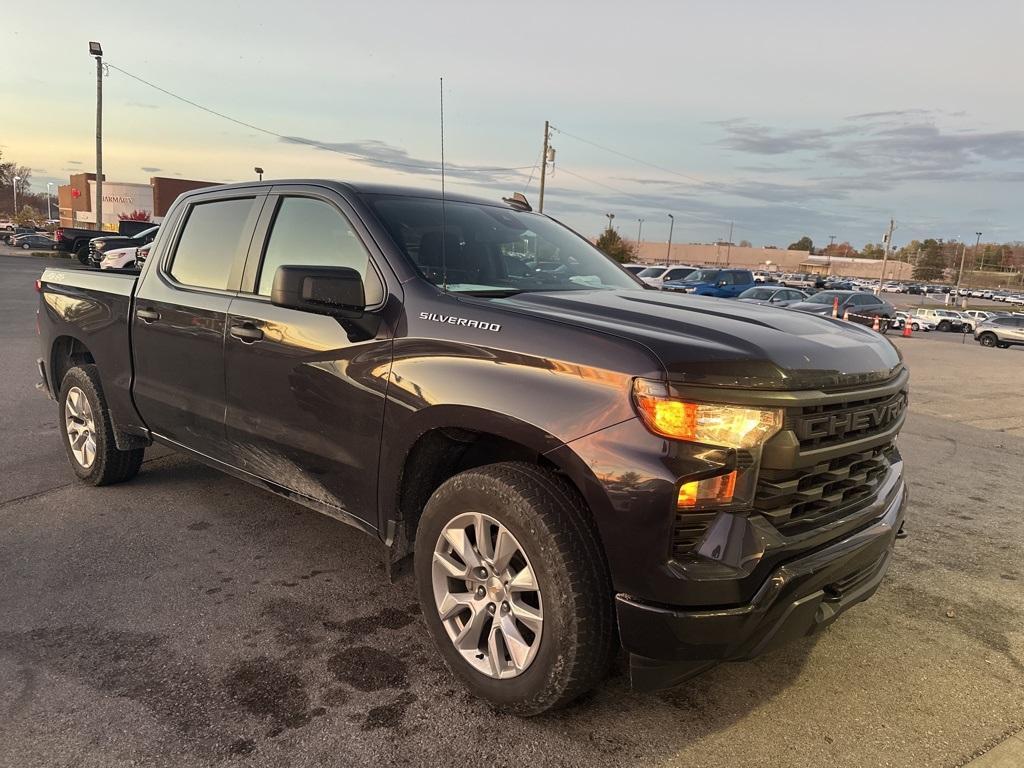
pixel 723 283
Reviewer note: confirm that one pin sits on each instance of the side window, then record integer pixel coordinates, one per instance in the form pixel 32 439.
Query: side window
pixel 744 278
pixel 310 232
pixel 726 277
pixel 210 242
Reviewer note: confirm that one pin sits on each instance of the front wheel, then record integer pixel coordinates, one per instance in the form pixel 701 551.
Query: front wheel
pixel 514 587
pixel 83 256
pixel 88 432
pixel 988 340
pixel 945 325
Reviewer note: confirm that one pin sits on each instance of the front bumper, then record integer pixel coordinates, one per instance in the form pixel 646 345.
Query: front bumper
pixel 667 645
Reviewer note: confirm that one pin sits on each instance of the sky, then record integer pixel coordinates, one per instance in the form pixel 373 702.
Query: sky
pixel 779 118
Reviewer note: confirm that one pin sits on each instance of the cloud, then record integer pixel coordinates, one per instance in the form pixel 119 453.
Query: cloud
pixel 382 155
pixel 753 138
pixel 140 105
pixel 149 169
pixel 874 116
pixel 74 162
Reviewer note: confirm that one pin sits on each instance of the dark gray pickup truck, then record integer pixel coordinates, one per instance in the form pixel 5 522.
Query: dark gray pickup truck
pixel 575 463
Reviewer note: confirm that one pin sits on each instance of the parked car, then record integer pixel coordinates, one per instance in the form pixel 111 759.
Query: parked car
pixel 530 441
pixel 75 240
pixel 863 307
pixel 1000 332
pixel 99 246
pixel 634 269
pixel 775 296
pixel 942 319
pixel 119 258
pixel 802 281
pixel 721 283
pixel 968 322
pixel 16 233
pixel 761 276
pixel 916 323
pixel 34 242
pixel 657 276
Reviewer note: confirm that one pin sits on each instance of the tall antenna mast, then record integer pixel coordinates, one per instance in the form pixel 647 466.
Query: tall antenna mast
pixel 444 219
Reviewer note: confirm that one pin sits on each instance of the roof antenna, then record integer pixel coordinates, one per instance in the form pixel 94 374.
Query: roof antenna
pixel 444 219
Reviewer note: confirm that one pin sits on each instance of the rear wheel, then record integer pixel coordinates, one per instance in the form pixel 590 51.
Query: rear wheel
pixel 88 432
pixel 915 327
pixel 988 340
pixel 83 255
pixel 944 325
pixel 514 587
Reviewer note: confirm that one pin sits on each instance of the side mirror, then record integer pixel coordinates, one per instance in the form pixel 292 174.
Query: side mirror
pixel 722 283
pixel 336 291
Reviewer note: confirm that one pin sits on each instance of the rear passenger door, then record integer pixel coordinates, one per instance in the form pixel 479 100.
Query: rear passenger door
pixel 178 326
pixel 305 392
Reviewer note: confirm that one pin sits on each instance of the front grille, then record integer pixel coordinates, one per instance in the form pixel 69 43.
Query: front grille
pixel 820 426
pixel 797 500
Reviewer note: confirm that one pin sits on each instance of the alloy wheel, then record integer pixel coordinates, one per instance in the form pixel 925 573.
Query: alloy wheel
pixel 487 596
pixel 81 427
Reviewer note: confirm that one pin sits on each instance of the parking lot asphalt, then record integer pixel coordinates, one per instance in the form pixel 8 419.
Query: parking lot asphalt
pixel 188 619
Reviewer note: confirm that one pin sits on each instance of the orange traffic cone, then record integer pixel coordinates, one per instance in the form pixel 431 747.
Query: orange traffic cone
pixel 876 326
pixel 846 315
pixel 906 329
pixel 835 307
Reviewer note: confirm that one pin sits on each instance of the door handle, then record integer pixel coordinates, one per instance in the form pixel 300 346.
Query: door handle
pixel 147 315
pixel 247 333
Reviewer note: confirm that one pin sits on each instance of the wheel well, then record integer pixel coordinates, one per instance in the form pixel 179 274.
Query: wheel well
pixel 67 353
pixel 442 453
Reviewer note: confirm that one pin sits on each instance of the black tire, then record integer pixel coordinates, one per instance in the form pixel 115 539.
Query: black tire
pixel 110 465
pixel 548 518
pixel 26 246
pixel 944 325
pixel 83 255
pixel 915 327
pixel 1003 345
pixel 988 340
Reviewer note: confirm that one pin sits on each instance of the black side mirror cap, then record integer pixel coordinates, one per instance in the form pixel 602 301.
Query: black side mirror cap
pixel 336 291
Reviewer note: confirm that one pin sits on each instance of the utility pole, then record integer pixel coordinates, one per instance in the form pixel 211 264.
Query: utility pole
pixel 639 236
pixel 828 253
pixel 95 49
pixel 728 250
pixel 668 252
pixel 544 165
pixel 885 254
pixel 14 185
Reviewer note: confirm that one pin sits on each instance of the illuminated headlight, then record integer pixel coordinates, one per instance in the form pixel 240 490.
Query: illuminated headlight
pixel 714 424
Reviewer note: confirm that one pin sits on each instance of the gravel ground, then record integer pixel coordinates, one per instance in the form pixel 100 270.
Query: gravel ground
pixel 188 619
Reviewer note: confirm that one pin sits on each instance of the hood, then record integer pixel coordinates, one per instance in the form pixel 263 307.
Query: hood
pixel 813 307
pixel 718 342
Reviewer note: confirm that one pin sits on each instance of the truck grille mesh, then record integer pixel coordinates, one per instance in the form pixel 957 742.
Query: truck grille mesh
pixel 841 416
pixel 799 500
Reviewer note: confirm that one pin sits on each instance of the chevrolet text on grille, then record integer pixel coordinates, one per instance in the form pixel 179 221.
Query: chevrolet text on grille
pixel 829 424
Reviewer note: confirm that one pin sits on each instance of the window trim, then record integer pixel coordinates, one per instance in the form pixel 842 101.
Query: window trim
pixel 166 262
pixel 249 283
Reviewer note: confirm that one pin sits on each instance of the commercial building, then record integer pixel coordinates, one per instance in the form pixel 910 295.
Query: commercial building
pixel 770 259
pixel 121 200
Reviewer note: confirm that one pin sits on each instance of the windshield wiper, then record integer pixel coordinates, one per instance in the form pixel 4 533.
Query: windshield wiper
pixel 491 293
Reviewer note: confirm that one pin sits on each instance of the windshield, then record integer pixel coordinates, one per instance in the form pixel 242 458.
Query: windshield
pixel 703 276
pixel 490 249
pixel 653 272
pixel 824 298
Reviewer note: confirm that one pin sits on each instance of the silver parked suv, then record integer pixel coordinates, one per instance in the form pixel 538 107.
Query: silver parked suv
pixel 1000 332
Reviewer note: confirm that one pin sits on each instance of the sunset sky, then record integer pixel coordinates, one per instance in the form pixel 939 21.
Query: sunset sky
pixel 787 118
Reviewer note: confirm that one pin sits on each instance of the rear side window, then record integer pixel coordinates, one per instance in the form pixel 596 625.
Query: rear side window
pixel 313 233
pixel 742 278
pixel 210 242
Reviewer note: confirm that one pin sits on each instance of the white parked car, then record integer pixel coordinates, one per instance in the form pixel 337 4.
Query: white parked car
pixel 916 323
pixel 656 276
pixel 119 258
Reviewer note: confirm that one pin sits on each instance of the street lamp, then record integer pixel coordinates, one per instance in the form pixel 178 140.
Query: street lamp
pixel 610 217
pixel 49 199
pixel 668 252
pixel 96 50
pixel 639 236
pixel 259 171
pixel 14 183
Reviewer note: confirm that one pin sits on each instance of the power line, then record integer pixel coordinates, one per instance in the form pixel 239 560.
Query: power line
pixel 695 216
pixel 662 168
pixel 307 142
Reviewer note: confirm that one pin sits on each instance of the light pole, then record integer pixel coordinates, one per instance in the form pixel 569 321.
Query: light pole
pixel 668 252
pixel 831 242
pixel 49 199
pixel 610 216
pixel 14 183
pixel 639 235
pixel 976 246
pixel 259 171
pixel 96 50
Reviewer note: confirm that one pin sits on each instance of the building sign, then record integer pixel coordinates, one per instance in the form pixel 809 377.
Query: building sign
pixel 122 201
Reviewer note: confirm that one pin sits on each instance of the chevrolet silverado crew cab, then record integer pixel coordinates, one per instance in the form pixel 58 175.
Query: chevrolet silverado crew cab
pixel 572 462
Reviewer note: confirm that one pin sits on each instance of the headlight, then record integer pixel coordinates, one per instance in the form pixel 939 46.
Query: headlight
pixel 730 426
